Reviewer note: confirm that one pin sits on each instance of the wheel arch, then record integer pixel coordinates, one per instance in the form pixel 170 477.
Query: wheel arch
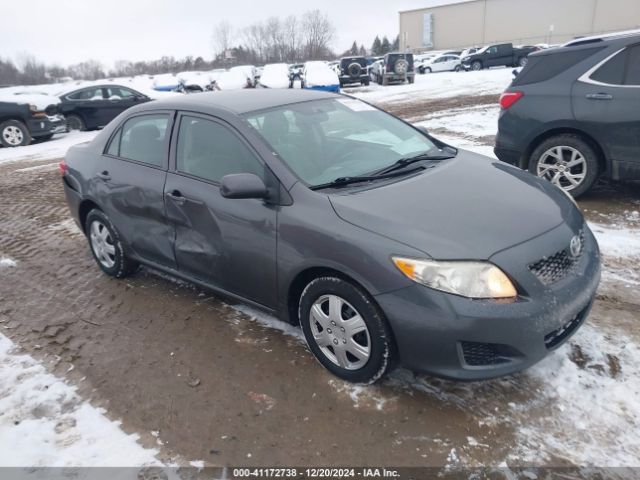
pixel 84 208
pixel 304 277
pixel 533 144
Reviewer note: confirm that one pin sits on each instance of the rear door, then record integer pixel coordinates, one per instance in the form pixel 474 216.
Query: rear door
pixel 89 103
pixel 129 185
pixel 607 99
pixel 228 243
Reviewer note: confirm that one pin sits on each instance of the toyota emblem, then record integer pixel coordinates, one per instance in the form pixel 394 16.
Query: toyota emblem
pixel 575 246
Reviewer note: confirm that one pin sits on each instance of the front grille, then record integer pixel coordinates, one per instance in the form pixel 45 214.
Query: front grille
pixel 551 269
pixel 480 354
pixel 559 335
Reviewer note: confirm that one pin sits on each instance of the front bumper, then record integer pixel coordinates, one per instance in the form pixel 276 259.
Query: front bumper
pixel 40 127
pixel 459 338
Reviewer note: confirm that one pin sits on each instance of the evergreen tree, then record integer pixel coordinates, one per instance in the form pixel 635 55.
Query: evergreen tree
pixel 363 51
pixel 385 47
pixel 396 44
pixel 354 49
pixel 376 47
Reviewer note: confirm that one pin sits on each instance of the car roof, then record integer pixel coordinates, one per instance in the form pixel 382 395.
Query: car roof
pixel 240 101
pixel 609 37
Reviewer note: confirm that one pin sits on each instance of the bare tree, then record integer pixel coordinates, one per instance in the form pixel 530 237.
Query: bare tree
pixel 222 37
pixel 318 33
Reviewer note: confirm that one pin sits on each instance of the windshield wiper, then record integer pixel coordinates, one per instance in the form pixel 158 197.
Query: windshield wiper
pixel 403 162
pixel 342 181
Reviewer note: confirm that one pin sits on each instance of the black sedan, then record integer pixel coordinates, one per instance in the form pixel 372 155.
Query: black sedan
pixel 383 243
pixel 95 106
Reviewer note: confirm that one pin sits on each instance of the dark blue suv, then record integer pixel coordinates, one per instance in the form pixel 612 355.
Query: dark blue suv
pixel 572 114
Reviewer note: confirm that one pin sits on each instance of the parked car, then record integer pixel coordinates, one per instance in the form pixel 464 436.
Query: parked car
pixel 504 54
pixel 94 106
pixel 166 82
pixel 353 70
pixel 249 71
pixel 24 118
pixel 275 75
pixel 295 71
pixel 441 63
pixel 571 114
pixel 233 80
pixel 394 67
pixel 386 245
pixel 317 75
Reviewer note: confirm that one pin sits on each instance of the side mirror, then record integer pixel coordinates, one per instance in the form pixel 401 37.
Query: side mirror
pixel 242 185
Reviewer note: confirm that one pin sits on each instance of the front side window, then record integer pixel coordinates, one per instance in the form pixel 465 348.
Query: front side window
pixel 209 150
pixel 142 138
pixel 323 140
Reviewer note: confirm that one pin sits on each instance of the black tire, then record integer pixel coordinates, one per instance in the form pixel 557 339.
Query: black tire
pixel 457 69
pixel 476 65
pixel 574 142
pixel 385 81
pixel 427 70
pixel 365 82
pixel 411 79
pixel 380 344
pixel 379 79
pixel 122 264
pixel 14 133
pixel 75 122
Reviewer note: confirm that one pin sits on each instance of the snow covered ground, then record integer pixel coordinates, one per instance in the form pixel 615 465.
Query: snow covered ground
pixel 44 423
pixel 50 149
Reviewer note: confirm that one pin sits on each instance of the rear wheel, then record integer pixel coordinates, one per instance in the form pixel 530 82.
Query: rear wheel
pixel 458 68
pixel 427 70
pixel 567 161
pixel 74 122
pixel 365 82
pixel 106 246
pixel 345 330
pixel 14 133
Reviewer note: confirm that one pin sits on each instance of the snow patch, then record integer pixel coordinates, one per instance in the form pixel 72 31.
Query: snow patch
pixel 55 148
pixel 44 423
pixel 617 241
pixel 6 262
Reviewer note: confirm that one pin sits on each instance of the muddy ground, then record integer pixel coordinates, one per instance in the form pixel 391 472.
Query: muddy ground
pixel 201 380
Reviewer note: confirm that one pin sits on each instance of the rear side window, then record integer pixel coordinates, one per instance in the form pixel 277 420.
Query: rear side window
pixel 93 93
pixel 632 76
pixel 209 150
pixel 142 139
pixel 545 67
pixel 611 72
pixel 622 69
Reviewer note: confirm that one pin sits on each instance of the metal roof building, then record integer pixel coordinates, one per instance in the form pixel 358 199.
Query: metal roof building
pixel 464 23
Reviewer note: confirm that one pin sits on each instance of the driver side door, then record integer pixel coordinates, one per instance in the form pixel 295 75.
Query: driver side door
pixel 227 243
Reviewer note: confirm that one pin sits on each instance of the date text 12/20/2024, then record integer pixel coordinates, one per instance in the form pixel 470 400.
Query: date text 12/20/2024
pixel 292 473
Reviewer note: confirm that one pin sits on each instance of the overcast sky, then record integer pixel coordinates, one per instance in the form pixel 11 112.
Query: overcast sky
pixel 69 31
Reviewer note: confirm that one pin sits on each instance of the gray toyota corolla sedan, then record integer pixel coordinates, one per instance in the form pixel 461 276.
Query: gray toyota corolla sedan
pixel 386 245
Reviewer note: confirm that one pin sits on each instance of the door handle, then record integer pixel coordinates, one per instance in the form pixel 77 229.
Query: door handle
pixel 104 175
pixel 176 196
pixel 599 96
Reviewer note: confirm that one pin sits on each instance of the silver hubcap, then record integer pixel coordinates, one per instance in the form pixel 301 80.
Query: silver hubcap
pixel 12 135
pixel 340 332
pixel 563 166
pixel 102 244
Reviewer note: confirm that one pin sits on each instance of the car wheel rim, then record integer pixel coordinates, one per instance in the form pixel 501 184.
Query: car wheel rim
pixel 12 135
pixel 563 166
pixel 102 244
pixel 340 332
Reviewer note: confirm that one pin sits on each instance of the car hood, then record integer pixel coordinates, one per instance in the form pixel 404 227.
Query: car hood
pixel 470 207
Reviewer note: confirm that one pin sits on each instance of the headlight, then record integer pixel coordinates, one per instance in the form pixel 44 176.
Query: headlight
pixel 465 278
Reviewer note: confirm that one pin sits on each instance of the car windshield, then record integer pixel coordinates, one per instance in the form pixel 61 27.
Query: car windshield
pixel 323 140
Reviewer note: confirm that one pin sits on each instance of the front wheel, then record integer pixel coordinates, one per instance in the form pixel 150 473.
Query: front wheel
pixel 567 161
pixel 477 65
pixel 106 246
pixel 345 330
pixel 14 133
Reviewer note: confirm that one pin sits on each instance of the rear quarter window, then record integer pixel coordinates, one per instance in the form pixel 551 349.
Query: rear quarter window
pixel 612 72
pixel 545 67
